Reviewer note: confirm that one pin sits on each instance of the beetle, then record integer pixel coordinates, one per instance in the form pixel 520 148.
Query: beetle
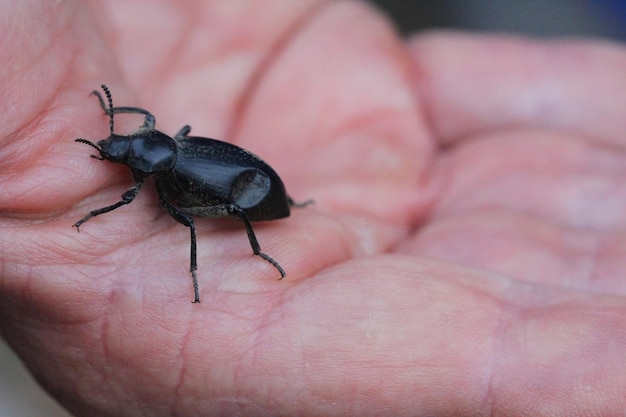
pixel 194 176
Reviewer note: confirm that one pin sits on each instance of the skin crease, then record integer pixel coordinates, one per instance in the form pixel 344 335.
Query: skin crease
pixel 465 255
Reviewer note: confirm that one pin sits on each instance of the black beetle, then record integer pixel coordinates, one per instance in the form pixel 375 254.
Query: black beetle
pixel 194 177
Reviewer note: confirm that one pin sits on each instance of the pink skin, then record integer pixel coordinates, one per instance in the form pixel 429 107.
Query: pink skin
pixel 465 255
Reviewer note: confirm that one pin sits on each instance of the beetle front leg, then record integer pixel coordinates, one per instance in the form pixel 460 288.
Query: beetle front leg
pixel 127 198
pixel 149 120
pixel 238 212
pixel 185 219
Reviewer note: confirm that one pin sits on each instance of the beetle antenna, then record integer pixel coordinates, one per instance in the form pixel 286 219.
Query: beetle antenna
pixel 110 100
pixel 93 145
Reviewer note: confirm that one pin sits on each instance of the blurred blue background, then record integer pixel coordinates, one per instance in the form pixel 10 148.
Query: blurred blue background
pixel 20 396
pixel 544 18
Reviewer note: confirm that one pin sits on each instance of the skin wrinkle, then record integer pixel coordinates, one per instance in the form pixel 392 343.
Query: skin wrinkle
pixel 575 249
pixel 111 359
pixel 239 372
pixel 111 243
pixel 569 238
pixel 76 383
pixel 265 64
pixel 349 250
pixel 12 161
pixel 387 164
pixel 589 258
pixel 45 107
pixel 105 380
pixel 192 20
pixel 180 383
pixel 417 83
pixel 109 356
pixel 505 318
pixel 250 358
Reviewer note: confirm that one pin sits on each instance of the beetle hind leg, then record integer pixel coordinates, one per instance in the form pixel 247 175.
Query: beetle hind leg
pixel 274 263
pixel 238 212
pixel 293 203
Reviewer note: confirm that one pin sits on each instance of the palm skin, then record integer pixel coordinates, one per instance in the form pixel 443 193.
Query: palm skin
pixel 464 256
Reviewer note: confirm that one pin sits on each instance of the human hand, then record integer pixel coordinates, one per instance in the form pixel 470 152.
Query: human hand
pixel 463 256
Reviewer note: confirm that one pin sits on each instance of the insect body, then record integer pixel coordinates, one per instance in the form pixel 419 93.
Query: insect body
pixel 194 177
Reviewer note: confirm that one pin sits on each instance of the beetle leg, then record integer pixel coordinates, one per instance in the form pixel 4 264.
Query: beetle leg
pixel 236 211
pixel 101 100
pixel 185 219
pixel 293 203
pixel 127 198
pixel 148 123
pixel 183 132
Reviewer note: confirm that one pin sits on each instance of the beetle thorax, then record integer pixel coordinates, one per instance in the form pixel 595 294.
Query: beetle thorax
pixel 146 152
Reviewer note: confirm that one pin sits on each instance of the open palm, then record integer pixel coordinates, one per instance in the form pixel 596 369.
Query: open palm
pixel 464 256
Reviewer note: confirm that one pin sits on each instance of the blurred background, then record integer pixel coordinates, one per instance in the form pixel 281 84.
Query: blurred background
pixel 591 18
pixel 19 394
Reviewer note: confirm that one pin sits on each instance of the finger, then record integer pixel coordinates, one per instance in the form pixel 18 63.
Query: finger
pixel 337 105
pixel 470 83
pixel 194 62
pixel 533 205
pixel 53 53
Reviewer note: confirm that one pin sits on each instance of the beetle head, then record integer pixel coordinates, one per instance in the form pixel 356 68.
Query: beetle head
pixel 145 152
pixel 115 148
